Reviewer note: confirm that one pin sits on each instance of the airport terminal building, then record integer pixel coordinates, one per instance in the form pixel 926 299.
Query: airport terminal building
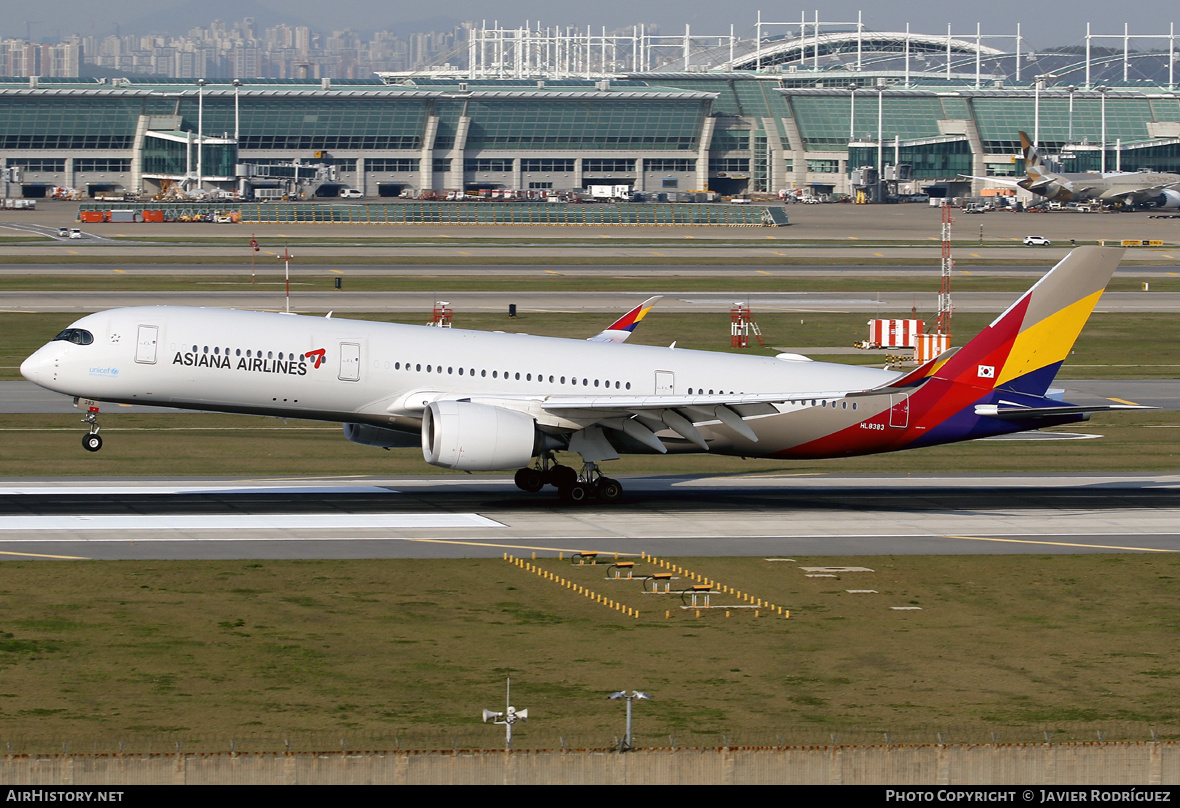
pixel 751 128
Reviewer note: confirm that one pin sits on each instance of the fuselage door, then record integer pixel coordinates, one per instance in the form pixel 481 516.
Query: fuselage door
pixel 665 382
pixel 350 362
pixel 899 413
pixel 145 344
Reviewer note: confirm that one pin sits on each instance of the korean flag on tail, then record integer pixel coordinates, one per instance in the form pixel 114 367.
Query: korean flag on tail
pixel 986 372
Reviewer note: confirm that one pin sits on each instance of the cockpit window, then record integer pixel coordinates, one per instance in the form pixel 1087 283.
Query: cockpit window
pixel 78 336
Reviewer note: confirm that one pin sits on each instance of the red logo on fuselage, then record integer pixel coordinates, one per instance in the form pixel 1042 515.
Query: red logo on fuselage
pixel 317 356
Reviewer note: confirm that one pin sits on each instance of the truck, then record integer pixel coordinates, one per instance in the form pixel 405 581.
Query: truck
pixel 610 193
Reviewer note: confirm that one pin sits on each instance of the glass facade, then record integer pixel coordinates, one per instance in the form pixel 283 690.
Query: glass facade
pixel 942 160
pixel 584 124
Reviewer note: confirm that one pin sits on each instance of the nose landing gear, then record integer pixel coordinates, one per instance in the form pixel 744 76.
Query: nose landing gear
pixel 92 441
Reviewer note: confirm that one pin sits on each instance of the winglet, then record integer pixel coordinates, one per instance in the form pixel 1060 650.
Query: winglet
pixel 620 329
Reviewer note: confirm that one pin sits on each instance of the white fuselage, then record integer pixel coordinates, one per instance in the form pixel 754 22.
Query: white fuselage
pixel 384 374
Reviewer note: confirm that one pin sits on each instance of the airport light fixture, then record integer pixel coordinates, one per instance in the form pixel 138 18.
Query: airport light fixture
pixel 200 133
pixel 509 717
pixel 852 112
pixel 237 115
pixel 634 695
pixel 1102 89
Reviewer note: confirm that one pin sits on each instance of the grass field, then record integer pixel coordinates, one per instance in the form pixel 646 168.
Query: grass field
pixel 406 653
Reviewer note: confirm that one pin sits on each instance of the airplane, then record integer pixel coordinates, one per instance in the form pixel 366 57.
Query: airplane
pixel 486 401
pixel 1044 177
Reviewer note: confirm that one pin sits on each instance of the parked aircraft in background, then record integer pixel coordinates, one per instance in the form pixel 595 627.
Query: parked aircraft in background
pixel 478 401
pixel 1044 177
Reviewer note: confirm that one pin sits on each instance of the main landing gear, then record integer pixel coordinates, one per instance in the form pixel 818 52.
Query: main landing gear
pixel 572 487
pixel 92 441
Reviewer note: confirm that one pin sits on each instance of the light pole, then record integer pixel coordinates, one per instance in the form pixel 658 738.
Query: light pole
pixel 237 116
pixel 852 112
pixel 634 695
pixel 1038 85
pixel 1071 89
pixel 1102 88
pixel 200 133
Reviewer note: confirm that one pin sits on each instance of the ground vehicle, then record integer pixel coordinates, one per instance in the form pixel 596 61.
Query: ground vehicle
pixel 63 232
pixel 75 233
pixel 350 193
pixel 1037 241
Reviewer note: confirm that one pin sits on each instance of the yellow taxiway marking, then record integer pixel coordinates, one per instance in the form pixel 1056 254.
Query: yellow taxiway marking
pixel 976 255
pixel 853 238
pixel 964 272
pixel 879 255
pixel 763 271
pixel 1170 273
pixel 464 253
pixel 552 272
pixel 1124 401
pixel 519 546
pixel 778 253
pixel 338 272
pixel 1065 544
pixel 657 253
pixel 695 236
pixel 45 555
pixel 603 235
pixel 72 252
pixel 121 271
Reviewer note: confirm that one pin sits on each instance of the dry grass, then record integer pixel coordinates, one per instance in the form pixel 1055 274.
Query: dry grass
pixel 408 652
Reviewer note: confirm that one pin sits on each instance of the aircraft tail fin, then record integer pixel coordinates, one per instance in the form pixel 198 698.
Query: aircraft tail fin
pixel 1036 162
pixel 1023 348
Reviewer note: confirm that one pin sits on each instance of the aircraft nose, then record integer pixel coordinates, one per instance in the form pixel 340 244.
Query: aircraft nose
pixel 38 368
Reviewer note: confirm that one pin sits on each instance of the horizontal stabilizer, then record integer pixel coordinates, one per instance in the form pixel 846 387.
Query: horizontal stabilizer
pixel 1023 413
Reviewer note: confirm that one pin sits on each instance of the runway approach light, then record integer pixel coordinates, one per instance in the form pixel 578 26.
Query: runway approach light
pixel 509 717
pixel 634 695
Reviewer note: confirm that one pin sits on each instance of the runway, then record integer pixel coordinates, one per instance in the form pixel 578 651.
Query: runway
pixel 449 517
pixel 319 298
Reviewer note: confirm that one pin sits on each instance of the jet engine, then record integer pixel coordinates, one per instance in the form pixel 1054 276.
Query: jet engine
pixel 476 437
pixel 1168 199
pixel 369 435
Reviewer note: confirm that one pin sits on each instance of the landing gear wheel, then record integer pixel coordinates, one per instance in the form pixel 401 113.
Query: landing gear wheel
pixel 575 494
pixel 530 480
pixel 91 442
pixel 608 490
pixel 561 477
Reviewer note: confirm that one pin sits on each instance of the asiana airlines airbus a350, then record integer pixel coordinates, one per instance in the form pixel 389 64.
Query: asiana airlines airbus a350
pixel 480 401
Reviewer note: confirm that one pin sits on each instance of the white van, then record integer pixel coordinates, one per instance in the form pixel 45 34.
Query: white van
pixel 350 193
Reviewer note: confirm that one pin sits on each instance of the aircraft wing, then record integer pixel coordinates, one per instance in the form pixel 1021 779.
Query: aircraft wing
pixel 620 329
pixel 998 180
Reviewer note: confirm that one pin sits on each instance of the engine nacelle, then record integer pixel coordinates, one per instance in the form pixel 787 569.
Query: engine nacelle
pixel 476 437
pixel 369 435
pixel 1168 199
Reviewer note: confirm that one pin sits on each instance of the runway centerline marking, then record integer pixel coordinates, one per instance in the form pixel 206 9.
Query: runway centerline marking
pixel 518 546
pixel 1065 544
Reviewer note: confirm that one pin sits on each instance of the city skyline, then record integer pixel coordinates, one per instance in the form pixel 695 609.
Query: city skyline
pixel 1056 22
